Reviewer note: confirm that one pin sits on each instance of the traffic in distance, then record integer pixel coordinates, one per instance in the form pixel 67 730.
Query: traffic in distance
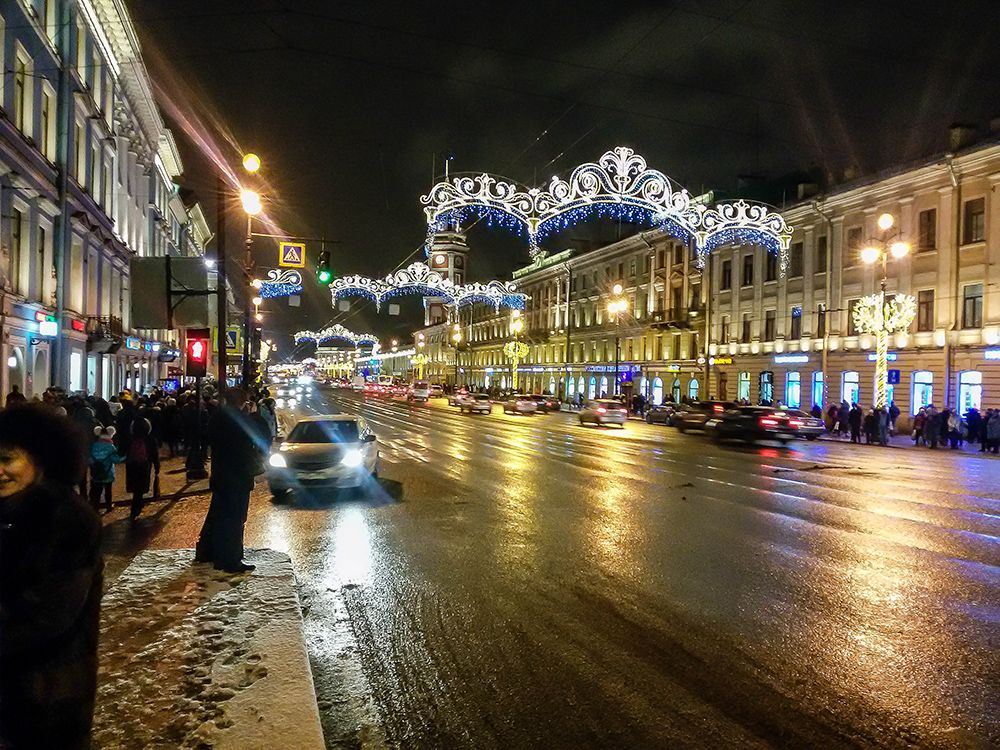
pixel 335 452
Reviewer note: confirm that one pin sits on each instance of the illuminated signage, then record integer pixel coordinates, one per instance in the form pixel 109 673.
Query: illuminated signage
pixel 790 359
pixel 78 325
pixel 720 360
pixel 48 328
pixel 889 357
pixel 133 343
pixel 991 354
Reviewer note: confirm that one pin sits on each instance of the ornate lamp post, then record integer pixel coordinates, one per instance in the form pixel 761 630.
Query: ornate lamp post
pixel 877 315
pixel 616 307
pixel 252 206
pixel 456 340
pixel 515 350
pixel 420 359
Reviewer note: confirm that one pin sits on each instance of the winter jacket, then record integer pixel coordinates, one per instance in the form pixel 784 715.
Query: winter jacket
pixel 49 609
pixel 239 441
pixel 137 472
pixel 993 428
pixel 103 457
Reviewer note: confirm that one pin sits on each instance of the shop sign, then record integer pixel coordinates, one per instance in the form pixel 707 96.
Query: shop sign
pixel 992 354
pixel 611 368
pixel 673 368
pixel 133 343
pixel 48 328
pixel 790 359
pixel 720 360
pixel 889 357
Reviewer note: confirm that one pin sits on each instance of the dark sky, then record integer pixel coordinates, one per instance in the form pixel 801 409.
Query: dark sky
pixel 347 103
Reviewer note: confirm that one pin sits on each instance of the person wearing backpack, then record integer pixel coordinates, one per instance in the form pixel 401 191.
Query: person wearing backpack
pixel 141 455
pixel 103 457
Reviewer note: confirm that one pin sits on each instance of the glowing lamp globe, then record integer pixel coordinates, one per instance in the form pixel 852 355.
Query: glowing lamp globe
pixel 899 249
pixel 885 222
pixel 251 202
pixel 257 301
pixel 870 254
pixel 617 289
pixel 251 163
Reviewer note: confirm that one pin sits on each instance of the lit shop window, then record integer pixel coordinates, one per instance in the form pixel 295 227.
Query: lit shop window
pixel 793 390
pixel 923 390
pixel 657 391
pixel 970 391
pixel 693 389
pixel 766 387
pixel 743 386
pixel 817 389
pixel 851 387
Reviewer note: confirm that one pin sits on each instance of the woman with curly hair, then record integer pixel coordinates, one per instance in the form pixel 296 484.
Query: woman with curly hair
pixel 50 583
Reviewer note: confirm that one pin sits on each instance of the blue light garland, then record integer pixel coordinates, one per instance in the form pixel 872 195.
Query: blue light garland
pixel 270 290
pixel 742 236
pixel 606 210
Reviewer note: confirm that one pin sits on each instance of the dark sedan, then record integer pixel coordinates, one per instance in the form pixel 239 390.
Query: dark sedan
pixel 662 414
pixel 545 403
pixel 751 423
pixel 693 416
pixel 811 427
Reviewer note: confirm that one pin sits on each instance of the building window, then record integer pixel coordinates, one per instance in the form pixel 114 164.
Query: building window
pixel 678 254
pixel 972 306
pixel 821 254
pixel 766 387
pixel 748 269
pixel 675 391
pixel 817 388
pixel 927 230
pixel 743 386
pixel 850 387
pixel 770 266
pixel 745 329
pixel 38 272
pixel 795 260
pixel 974 221
pixel 970 391
pixel 925 310
pixel 724 332
pixel 16 250
pixel 22 94
pixel 726 281
pixel 854 239
pixel 923 390
pixel 48 141
pixel 81 49
pixel 851 327
pixel 695 302
pixel 796 327
pixel 645 263
pixel 769 320
pixel 793 390
pixel 657 391
pixel 693 389
pixel 821 321
pixel 79 149
pixel 621 272
pixel 631 269
pixel 662 260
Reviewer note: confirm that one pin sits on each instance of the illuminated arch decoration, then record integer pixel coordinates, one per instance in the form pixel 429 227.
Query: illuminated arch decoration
pixel 619 185
pixel 337 332
pixel 281 282
pixel 418 278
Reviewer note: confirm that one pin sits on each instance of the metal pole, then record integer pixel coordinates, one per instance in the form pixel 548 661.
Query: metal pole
pixel 195 463
pixel 569 355
pixel 247 294
pixel 222 303
pixel 614 390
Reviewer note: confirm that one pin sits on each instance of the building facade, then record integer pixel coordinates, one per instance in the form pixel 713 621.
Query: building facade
pixel 739 328
pixel 87 173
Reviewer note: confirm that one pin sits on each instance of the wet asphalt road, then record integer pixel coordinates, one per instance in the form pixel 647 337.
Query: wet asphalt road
pixel 526 582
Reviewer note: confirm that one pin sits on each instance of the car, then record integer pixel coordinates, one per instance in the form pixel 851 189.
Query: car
pixel 604 411
pixel 370 389
pixel 329 451
pixel 420 391
pixel 436 391
pixel 455 396
pixel 693 416
pixel 662 414
pixel 398 392
pixel 751 423
pixel 810 428
pixel 476 402
pixel 545 403
pixel 519 403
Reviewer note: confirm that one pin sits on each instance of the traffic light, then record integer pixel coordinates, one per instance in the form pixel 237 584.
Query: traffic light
pixel 323 273
pixel 196 362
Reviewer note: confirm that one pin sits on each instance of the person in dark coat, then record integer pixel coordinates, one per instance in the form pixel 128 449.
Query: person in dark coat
pixel 15 396
pixel 239 440
pixel 123 422
pixel 854 417
pixel 142 456
pixel 50 595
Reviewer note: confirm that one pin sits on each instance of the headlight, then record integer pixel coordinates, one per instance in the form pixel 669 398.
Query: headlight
pixel 277 461
pixel 292 402
pixel 279 402
pixel 351 458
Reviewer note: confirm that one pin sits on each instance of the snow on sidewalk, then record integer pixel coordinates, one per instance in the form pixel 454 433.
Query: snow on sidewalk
pixel 194 657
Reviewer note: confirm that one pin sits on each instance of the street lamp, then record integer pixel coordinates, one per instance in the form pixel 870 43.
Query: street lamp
pixel 515 350
pixel 876 315
pixel 420 359
pixel 456 338
pixel 252 205
pixel 616 307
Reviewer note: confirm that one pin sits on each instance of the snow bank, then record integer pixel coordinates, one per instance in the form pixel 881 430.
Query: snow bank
pixel 193 657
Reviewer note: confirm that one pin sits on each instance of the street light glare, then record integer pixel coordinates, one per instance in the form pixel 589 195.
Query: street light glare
pixel 251 163
pixel 899 249
pixel 617 289
pixel 870 254
pixel 885 222
pixel 251 202
pixel 257 301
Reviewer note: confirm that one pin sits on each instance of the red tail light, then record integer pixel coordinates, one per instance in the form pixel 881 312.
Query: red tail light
pixel 717 408
pixel 601 410
pixel 623 411
pixel 768 422
pixel 795 422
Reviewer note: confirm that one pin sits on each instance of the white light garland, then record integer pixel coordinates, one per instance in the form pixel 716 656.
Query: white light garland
pixel 339 333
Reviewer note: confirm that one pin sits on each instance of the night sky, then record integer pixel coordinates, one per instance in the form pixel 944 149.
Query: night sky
pixel 349 102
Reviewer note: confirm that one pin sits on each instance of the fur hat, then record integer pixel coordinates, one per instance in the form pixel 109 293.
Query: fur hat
pixel 105 433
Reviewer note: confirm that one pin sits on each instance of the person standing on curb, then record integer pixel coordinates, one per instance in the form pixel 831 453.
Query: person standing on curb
pixel 141 456
pixel 854 417
pixel 237 437
pixel 50 597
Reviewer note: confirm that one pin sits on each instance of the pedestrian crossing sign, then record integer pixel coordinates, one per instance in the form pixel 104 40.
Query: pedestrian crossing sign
pixel 291 254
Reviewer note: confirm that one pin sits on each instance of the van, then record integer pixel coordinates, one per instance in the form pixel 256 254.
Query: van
pixel 420 391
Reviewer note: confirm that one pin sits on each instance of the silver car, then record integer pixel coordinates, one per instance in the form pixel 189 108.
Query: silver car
pixel 475 402
pixel 332 451
pixel 518 403
pixel 604 411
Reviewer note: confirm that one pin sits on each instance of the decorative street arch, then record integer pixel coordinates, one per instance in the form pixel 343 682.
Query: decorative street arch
pixel 281 282
pixel 418 278
pixel 337 332
pixel 618 185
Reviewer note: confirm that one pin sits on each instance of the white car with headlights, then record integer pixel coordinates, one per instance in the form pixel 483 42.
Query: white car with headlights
pixel 475 402
pixel 333 451
pixel 604 411
pixel 518 403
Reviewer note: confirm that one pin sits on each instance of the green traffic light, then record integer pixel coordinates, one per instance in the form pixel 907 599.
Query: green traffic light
pixel 324 277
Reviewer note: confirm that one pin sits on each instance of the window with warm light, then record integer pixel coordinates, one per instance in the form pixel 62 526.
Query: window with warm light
pixel 922 391
pixel 743 386
pixel 925 310
pixel 972 306
pixel 927 230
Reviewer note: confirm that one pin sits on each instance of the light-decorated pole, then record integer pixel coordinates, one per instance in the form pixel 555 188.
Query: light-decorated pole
pixel 514 349
pixel 456 340
pixel 252 206
pixel 615 308
pixel 420 359
pixel 879 316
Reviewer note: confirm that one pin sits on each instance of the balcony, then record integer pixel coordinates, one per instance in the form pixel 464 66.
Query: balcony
pixel 679 318
pixel 104 334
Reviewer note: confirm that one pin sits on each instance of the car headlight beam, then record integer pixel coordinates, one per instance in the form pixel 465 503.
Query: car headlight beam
pixel 277 460
pixel 352 458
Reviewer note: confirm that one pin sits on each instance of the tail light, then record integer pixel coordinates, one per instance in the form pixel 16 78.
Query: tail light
pixel 717 408
pixel 623 411
pixel 794 422
pixel 768 422
pixel 601 410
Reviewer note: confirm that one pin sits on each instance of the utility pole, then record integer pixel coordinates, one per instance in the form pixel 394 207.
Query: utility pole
pixel 247 294
pixel 222 305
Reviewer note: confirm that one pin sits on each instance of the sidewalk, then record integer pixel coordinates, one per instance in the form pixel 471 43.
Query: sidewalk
pixel 193 657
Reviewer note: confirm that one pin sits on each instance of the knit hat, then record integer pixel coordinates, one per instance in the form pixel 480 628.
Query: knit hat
pixel 105 433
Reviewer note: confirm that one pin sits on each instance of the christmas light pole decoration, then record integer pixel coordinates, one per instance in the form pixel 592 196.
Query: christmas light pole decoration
pixel 420 359
pixel 515 350
pixel 878 315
